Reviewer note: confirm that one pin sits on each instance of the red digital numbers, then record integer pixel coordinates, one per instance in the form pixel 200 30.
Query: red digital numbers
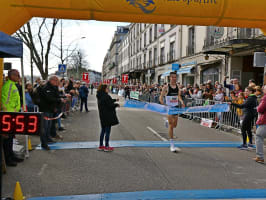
pixel 32 124
pixel 6 123
pixel 20 123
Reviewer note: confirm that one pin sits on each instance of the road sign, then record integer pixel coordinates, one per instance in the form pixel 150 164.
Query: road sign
pixel 62 68
pixel 125 78
pixel 85 76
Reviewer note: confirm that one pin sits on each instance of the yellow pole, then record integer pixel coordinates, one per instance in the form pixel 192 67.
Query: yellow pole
pixel 1 77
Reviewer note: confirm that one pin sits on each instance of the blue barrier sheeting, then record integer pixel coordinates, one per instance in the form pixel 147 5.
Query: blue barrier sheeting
pixel 174 111
pixel 148 144
pixel 170 194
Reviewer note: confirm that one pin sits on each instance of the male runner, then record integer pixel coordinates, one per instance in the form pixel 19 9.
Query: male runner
pixel 172 96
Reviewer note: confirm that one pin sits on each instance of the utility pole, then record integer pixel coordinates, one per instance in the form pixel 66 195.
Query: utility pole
pixel 31 64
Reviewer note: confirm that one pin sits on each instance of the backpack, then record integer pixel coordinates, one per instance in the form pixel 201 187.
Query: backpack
pixel 36 95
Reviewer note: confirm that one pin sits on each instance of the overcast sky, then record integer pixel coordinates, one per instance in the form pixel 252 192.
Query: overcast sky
pixel 96 35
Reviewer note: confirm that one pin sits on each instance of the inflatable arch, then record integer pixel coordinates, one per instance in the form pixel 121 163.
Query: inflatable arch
pixel 232 13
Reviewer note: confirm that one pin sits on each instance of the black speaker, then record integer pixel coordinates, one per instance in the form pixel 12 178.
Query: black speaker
pixel 7 66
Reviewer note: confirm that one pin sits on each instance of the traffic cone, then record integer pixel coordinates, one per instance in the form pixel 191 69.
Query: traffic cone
pixel 29 145
pixel 18 193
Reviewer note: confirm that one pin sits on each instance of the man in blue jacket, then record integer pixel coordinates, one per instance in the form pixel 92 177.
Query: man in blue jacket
pixel 83 95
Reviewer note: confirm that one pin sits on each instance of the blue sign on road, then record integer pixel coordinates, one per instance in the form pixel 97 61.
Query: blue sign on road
pixel 62 68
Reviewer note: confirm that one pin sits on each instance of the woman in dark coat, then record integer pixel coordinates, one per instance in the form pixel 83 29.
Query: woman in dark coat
pixel 108 118
pixel 249 113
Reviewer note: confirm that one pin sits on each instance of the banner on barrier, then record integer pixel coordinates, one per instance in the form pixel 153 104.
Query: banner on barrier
pixel 134 95
pixel 167 110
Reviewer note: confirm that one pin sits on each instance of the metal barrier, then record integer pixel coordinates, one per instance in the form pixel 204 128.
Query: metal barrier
pixel 227 120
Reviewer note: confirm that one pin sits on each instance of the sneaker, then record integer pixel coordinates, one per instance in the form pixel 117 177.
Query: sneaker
pixel 175 149
pixel 243 147
pixel 258 160
pixel 251 146
pixel 101 148
pixel 61 129
pixel 108 149
pixel 45 147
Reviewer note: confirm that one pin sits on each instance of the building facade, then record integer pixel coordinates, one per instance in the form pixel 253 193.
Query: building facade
pixel 148 52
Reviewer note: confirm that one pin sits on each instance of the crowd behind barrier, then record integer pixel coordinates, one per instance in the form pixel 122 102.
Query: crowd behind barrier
pixel 202 95
pixel 55 97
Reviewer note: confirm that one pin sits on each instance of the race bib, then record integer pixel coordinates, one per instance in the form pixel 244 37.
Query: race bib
pixel 171 100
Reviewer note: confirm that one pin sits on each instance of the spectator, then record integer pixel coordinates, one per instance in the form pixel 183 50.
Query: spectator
pixel 92 87
pixel 248 117
pixel 261 130
pixel 50 102
pixel 37 82
pixel 28 96
pixel 219 95
pixel 127 92
pixel 258 93
pixel 251 83
pixel 83 95
pixel 10 103
pixel 107 114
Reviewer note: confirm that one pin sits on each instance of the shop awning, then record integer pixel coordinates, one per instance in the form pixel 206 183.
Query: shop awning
pixel 185 70
pixel 166 73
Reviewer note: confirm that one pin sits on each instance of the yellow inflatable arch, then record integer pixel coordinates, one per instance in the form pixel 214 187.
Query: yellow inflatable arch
pixel 234 13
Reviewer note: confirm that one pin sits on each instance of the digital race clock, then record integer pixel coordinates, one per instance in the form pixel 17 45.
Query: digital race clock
pixel 20 123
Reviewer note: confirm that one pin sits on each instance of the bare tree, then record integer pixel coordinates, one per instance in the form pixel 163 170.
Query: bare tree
pixel 77 64
pixel 38 38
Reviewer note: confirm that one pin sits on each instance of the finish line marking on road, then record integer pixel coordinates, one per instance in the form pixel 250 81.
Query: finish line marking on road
pixel 143 144
pixel 168 194
pixel 157 134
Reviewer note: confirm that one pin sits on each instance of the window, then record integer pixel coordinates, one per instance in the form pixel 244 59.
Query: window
pixel 210 74
pixel 150 58
pixel 150 37
pixel 144 39
pixel 191 41
pixel 172 51
pixel 155 31
pixel 162 56
pixel 154 56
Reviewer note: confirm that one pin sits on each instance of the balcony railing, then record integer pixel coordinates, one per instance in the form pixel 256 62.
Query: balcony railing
pixel 236 33
pixel 171 56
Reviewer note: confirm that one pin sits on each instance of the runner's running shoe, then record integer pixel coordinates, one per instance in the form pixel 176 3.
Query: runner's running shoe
pixel 175 149
pixel 108 149
pixel 101 148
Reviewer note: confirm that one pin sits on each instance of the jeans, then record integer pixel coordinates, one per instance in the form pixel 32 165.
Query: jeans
pixel 47 125
pixel 8 147
pixel 74 101
pixel 260 135
pixel 106 131
pixel 83 100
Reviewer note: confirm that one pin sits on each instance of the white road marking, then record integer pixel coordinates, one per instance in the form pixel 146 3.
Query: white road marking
pixel 42 169
pixel 157 134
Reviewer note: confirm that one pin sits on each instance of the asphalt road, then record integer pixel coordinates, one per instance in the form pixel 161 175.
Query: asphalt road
pixel 87 171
